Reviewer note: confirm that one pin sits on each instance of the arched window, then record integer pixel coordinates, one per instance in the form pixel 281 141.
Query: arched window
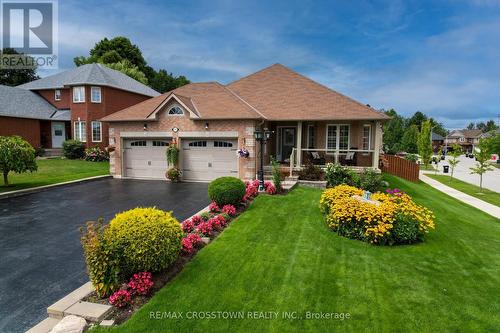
pixel 175 111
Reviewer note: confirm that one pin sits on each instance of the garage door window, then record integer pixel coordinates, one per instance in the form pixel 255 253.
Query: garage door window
pixel 224 144
pixel 160 143
pixel 141 143
pixel 198 144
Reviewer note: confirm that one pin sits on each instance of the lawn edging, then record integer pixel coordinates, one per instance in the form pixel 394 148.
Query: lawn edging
pixel 17 193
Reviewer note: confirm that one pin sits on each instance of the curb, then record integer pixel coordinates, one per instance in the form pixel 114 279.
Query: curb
pixel 48 187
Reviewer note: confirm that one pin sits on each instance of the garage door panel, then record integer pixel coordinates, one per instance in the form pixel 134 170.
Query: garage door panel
pixel 143 160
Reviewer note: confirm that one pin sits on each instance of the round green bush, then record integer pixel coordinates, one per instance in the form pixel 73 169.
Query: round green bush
pixel 226 190
pixel 73 149
pixel 148 239
pixel 404 231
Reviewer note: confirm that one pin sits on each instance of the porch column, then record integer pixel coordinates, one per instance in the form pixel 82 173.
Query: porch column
pixel 299 143
pixel 377 144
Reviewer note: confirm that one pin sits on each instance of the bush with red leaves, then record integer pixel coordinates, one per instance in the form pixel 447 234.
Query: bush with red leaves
pixel 205 228
pixel 196 220
pixel 213 207
pixel 121 298
pixel 229 210
pixel 190 243
pixel 188 226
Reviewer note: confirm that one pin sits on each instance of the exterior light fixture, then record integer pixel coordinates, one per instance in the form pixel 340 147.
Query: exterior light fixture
pixel 145 126
pixel 206 126
pixel 262 136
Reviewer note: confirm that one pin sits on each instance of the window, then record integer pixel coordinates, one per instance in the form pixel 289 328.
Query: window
pixel 462 139
pixel 367 136
pixel 157 143
pixel 337 137
pixel 310 136
pixel 222 144
pixel 78 94
pixel 80 131
pixel 95 94
pixel 175 111
pixel 57 95
pixel 198 144
pixel 141 143
pixel 96 131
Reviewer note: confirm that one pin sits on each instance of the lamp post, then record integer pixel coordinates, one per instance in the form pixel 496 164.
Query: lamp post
pixel 262 136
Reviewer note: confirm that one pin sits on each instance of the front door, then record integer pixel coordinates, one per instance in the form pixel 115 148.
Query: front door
pixel 287 138
pixel 58 134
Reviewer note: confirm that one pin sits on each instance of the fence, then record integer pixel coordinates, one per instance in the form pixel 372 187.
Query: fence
pixel 400 167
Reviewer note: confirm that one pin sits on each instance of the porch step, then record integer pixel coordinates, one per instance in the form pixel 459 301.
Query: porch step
pixel 288 185
pixel 53 152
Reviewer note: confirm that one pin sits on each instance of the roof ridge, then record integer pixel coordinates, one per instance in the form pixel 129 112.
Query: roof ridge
pixel 243 100
pixel 251 74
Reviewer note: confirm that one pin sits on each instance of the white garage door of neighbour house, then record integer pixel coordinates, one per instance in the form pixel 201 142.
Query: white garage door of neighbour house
pixel 145 158
pixel 204 160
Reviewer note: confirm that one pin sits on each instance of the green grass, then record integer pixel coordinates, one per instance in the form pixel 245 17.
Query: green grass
pixel 52 171
pixel 473 190
pixel 280 256
pixel 429 167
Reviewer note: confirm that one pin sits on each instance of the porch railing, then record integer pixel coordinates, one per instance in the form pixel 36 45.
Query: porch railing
pixel 336 153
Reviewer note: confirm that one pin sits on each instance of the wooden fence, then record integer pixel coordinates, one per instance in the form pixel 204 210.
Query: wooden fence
pixel 400 167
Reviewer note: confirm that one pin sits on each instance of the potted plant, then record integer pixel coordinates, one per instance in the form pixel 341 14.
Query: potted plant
pixel 173 174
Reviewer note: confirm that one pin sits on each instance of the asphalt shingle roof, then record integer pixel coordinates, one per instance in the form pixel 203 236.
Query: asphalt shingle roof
pixel 91 74
pixel 21 103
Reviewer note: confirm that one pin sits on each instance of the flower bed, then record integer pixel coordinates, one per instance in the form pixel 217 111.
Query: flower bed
pixel 196 231
pixel 387 219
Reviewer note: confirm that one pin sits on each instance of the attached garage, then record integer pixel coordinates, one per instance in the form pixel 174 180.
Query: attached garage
pixel 145 158
pixel 205 160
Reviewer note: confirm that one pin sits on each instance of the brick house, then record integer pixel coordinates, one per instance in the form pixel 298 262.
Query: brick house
pixel 209 122
pixel 79 98
pixel 467 139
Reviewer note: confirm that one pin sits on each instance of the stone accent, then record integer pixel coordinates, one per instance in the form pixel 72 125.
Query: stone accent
pixel 44 326
pixel 70 324
pixel 57 309
pixel 107 323
pixel 91 311
pixel 315 184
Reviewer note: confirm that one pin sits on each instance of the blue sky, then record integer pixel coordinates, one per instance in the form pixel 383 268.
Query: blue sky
pixel 439 57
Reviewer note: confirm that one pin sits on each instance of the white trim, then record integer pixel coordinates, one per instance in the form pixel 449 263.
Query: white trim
pixel 100 130
pixel 160 107
pixel 55 94
pixel 278 138
pixel 82 100
pixel 175 114
pixel 337 141
pixel 369 136
pixel 92 95
pixel 209 134
pixel 80 129
pixel 132 135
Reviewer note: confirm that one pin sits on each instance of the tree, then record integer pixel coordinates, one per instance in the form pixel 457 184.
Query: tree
pixel 483 156
pixel 490 126
pixel 453 161
pixel 393 132
pixel 417 119
pixel 119 53
pixel 425 143
pixel 16 155
pixel 129 69
pixel 15 77
pixel 410 139
pixel 438 127
pixel 471 126
pixel 494 144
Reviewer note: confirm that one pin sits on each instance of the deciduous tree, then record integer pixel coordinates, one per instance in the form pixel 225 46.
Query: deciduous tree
pixel 16 155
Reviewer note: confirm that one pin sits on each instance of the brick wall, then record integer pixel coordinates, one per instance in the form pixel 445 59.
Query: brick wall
pixel 29 129
pixel 165 123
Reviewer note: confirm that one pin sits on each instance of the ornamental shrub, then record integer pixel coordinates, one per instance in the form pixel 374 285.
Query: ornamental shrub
pixel 205 228
pixel 370 180
pixel 188 226
pixel 196 220
pixel 390 218
pixel 226 190
pixel 73 149
pixel 337 174
pixel 103 266
pixel 96 154
pixel 311 172
pixel 148 239
pixel 121 298
pixel 16 155
pixel 190 243
pixel 141 283
pixel 213 207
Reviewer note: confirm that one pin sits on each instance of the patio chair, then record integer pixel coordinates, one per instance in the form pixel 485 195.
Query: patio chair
pixel 313 157
pixel 350 158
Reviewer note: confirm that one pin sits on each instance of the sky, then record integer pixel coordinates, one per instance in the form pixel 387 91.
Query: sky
pixel 438 57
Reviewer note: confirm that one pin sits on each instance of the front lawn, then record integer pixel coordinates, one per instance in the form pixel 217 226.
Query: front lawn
pixel 280 256
pixel 473 190
pixel 52 171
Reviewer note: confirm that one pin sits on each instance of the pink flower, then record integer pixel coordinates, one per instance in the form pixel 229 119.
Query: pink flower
pixel 204 228
pixel 141 283
pixel 229 210
pixel 188 226
pixel 196 220
pixel 121 298
pixel 255 183
pixel 190 243
pixel 213 207
pixel 270 189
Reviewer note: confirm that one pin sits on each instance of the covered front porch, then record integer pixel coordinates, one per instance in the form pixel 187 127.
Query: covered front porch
pixel 354 143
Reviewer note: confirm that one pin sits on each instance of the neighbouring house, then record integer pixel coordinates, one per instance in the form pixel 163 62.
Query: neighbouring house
pixel 437 142
pixel 27 114
pixel 310 123
pixel 69 104
pixel 467 139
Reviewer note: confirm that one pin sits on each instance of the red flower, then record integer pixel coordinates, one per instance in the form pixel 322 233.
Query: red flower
pixel 188 226
pixel 141 283
pixel 121 298
pixel 229 210
pixel 213 207
pixel 196 219
pixel 205 228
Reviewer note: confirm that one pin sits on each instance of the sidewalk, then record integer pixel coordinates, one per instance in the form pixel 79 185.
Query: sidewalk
pixel 470 200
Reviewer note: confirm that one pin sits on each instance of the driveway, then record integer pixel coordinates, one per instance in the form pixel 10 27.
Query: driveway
pixel 40 254
pixel 491 179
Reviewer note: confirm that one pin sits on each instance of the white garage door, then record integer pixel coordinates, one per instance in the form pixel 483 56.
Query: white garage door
pixel 145 158
pixel 205 160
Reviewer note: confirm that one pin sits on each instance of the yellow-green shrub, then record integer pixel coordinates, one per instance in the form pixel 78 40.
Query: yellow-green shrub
pixel 375 222
pixel 148 239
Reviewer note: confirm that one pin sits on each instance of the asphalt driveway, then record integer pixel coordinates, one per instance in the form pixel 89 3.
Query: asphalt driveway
pixel 40 254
